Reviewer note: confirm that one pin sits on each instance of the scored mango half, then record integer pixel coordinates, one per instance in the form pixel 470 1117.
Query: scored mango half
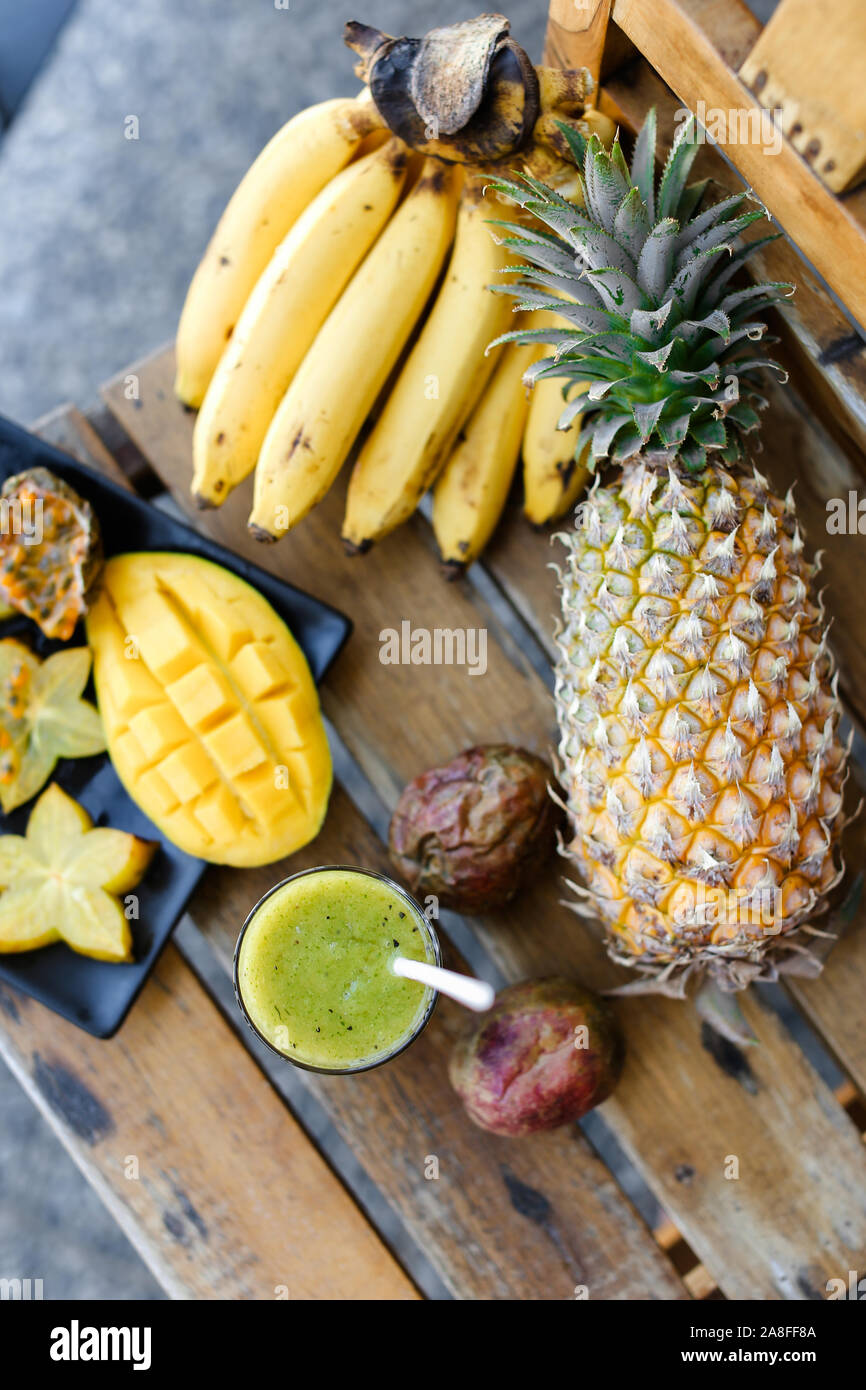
pixel 62 881
pixel 210 711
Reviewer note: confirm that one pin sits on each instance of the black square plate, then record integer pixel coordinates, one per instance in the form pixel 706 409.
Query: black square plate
pixel 93 994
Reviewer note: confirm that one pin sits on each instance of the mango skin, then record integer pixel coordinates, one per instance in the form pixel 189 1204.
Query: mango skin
pixel 519 1071
pixel 210 712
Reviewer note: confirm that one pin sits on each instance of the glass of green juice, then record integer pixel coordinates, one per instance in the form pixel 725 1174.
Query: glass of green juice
pixel 313 969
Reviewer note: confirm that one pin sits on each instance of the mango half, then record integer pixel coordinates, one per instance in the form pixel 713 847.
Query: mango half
pixel 210 712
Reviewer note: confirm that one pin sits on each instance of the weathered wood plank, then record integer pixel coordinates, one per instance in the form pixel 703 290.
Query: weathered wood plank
pixel 807 64
pixel 432 713
pixel 66 427
pixel 834 1002
pixel 762 1091
pixel 557 1215
pixel 696 46
pixel 173 1123
pixel 576 34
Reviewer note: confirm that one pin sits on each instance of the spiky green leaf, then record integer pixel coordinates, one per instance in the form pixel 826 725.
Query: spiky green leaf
pixel 643 164
pixel 691 200
pixel 575 141
pixel 616 290
pixel 677 169
pixel 632 225
pixel 655 265
pixel 643 280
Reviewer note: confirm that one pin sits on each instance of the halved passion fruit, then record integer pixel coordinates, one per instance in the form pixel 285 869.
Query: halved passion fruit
pixel 50 551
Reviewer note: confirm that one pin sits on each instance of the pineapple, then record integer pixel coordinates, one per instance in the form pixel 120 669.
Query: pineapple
pixel 695 691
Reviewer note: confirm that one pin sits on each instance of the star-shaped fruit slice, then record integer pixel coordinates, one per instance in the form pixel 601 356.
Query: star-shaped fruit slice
pixel 42 717
pixel 62 881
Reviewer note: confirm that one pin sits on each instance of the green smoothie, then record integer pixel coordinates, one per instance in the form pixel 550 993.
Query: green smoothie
pixel 313 968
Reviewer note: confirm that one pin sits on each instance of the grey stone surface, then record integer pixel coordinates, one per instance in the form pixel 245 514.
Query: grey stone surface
pixel 53 1226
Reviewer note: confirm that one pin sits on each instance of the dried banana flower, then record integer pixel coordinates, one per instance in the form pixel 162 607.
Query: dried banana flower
pixel 467 92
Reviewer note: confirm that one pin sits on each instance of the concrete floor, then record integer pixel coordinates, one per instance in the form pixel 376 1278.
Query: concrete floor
pixel 98 238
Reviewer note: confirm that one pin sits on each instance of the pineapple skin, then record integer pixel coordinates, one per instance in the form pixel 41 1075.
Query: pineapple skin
pixel 698 713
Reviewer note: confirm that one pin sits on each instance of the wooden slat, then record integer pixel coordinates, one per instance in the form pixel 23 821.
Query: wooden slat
pixel 227 1198
pixel 576 34
pixel 808 65
pixel 680 1108
pixel 820 345
pixel 70 430
pixel 557 1216
pixel 765 1091
pixel 834 1002
pixel 694 45
pixel 699 1283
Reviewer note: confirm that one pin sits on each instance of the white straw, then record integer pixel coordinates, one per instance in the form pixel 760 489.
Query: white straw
pixel 475 994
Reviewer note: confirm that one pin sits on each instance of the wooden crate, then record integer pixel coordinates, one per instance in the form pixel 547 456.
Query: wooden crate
pixel 232 1199
pixel 808 66
pixel 697 54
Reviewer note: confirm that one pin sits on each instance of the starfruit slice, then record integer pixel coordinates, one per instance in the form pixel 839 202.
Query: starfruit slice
pixel 50 550
pixel 61 881
pixel 42 717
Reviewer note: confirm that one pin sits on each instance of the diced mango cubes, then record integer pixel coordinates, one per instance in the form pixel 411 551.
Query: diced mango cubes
pixel 258 668
pixel 221 814
pixel 235 746
pixel 153 793
pixel 204 695
pixel 163 639
pixel 266 793
pixel 210 711
pixel 188 771
pixel 158 728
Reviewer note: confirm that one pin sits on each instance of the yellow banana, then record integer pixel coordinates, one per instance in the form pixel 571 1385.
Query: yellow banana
pixel 298 289
pixel 354 352
pixel 472 488
pixel 552 478
pixel 292 168
pixel 438 386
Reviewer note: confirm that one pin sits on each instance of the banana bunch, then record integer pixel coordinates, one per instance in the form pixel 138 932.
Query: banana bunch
pixel 347 285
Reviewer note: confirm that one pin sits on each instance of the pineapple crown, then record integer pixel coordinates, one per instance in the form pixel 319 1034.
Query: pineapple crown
pixel 641 281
